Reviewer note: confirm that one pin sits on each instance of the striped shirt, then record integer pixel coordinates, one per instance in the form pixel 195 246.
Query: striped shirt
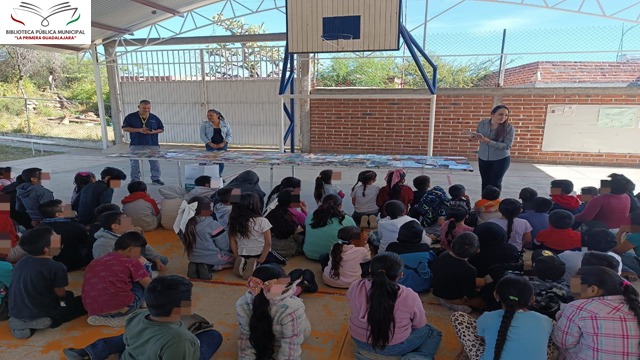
pixel 597 328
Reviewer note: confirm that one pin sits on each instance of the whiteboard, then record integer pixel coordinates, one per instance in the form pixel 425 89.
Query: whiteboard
pixel 592 128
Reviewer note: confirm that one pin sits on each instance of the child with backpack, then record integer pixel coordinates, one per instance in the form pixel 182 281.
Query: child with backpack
pixel 416 256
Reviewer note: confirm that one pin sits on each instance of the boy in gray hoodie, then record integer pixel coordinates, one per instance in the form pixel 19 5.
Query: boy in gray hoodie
pixel 110 231
pixel 31 194
pixel 203 188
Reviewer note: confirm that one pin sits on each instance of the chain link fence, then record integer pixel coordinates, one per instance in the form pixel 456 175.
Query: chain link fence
pixel 55 118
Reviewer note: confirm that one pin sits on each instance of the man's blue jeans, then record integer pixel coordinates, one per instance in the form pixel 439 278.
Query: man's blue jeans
pixel 423 343
pixel 135 164
pixel 101 349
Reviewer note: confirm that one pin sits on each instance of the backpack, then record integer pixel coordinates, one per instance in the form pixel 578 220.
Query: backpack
pixel 417 275
pixel 433 205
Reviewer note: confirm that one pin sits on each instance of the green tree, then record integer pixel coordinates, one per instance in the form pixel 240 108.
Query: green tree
pixel 360 72
pixel 451 74
pixel 250 59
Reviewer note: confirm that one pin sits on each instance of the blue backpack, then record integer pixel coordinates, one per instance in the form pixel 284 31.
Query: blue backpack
pixel 417 275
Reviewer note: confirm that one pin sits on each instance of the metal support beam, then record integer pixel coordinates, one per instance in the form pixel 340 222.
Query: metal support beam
pixel 101 26
pixel 198 40
pixel 98 80
pixel 412 46
pixel 113 80
pixel 287 82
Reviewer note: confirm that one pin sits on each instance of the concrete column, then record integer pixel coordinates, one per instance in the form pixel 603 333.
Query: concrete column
pixel 305 68
pixel 114 91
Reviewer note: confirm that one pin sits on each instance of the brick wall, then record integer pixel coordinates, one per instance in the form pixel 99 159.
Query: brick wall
pixel 401 125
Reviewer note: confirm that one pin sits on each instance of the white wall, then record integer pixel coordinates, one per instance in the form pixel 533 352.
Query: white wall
pixel 252 108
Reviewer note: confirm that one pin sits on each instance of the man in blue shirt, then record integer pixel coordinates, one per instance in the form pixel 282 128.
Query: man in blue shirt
pixel 143 128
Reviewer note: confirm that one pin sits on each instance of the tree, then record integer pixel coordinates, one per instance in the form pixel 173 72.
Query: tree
pixel 450 74
pixel 17 64
pixel 251 59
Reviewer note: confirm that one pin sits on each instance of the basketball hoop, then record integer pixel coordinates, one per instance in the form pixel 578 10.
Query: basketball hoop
pixel 336 40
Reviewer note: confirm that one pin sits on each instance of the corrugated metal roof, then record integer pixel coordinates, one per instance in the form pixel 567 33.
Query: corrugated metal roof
pixel 132 15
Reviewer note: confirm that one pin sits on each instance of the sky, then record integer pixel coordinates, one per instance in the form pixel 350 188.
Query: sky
pixel 471 29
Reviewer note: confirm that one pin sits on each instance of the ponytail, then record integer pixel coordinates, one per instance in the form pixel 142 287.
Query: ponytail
pixel 336 259
pixel 364 177
pixel 189 236
pixel 323 178
pixel 509 227
pixel 510 209
pixel 451 226
pixel 515 293
pixel 273 192
pixel 632 299
pixel 385 268
pixel 288 182
pixel 261 334
pixel 455 214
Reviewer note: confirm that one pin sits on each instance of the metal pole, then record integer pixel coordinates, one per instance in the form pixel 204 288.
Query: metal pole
pixel 282 120
pixel 205 95
pixel 432 124
pixel 502 59
pixel 98 80
pixel 426 21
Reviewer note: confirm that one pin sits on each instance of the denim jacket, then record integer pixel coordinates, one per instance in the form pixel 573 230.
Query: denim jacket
pixel 206 131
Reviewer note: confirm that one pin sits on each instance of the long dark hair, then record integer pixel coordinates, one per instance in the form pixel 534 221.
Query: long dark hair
pixel 364 177
pixel 283 224
pixel 611 283
pixel 189 237
pixel 261 334
pixel 510 209
pixel 385 270
pixel 323 178
pixel 82 179
pixel 396 190
pixel 288 182
pixel 346 235
pixel 455 214
pixel 515 293
pixel 328 209
pixel 243 213
pixel 502 128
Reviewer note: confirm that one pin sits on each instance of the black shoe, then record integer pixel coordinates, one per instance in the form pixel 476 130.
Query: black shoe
pixel 157 182
pixel 309 278
pixel 295 274
pixel 76 354
pixel 203 271
pixel 192 270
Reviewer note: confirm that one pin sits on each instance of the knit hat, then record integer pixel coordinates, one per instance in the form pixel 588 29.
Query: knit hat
pixel 410 233
pixel 549 268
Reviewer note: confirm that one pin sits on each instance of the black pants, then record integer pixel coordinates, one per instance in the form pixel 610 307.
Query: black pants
pixel 73 309
pixel 492 171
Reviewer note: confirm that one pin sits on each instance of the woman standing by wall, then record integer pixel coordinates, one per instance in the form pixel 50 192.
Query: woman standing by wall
pixel 216 133
pixel 495 136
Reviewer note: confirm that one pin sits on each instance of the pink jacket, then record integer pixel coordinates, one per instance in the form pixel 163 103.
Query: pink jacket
pixel 350 269
pixel 408 312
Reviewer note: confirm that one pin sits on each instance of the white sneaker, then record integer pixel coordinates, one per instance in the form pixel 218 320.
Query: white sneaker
pixel 107 321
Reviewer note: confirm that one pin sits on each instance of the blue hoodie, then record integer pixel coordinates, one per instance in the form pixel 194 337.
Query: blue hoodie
pixel 29 197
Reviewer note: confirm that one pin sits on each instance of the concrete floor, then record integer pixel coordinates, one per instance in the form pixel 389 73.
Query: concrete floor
pixel 327 310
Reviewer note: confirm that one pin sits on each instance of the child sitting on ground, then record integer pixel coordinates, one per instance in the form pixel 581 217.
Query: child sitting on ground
pixel 549 287
pixel 387 318
pixel 388 227
pixel 561 196
pixel 453 226
pixel 628 239
pixel 459 197
pixel 206 242
pixel 364 196
pixel 607 302
pixel 31 194
pixel 526 196
pixel 324 187
pixel 95 194
pixel 93 228
pixel 416 256
pixel 9 232
pixel 111 229
pixel 422 183
pixel 272 320
pixel 432 210
pixel 5 281
pixel 538 216
pixel 454 279
pixel 395 189
pixel 598 239
pixel 222 209
pixel 113 286
pixel 347 262
pixel 510 333
pixel 202 188
pixel 487 207
pixel 250 236
pixel 140 207
pixel 287 235
pixel 586 194
pixel 80 180
pixel 38 298
pixel 75 252
pixel 5 176
pixel 518 230
pixel 321 228
pixel 559 236
pixel 157 330
pixel 19 216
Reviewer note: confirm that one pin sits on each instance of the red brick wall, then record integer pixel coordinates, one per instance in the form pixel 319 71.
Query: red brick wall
pixel 401 126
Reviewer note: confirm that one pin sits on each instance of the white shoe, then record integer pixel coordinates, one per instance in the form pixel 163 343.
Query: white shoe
pixel 107 321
